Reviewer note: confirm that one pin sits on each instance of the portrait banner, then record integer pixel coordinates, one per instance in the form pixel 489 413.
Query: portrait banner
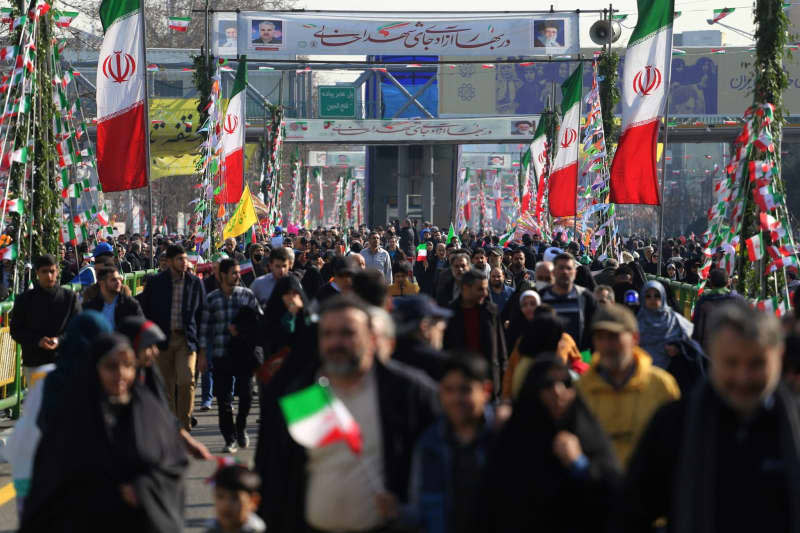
pixel 262 34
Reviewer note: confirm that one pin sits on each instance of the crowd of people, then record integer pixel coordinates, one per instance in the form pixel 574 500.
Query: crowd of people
pixel 528 387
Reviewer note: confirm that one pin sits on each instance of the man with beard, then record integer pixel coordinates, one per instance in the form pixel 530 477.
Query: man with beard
pixel 330 488
pixel 726 457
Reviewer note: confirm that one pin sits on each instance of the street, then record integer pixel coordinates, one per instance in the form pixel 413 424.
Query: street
pixel 199 503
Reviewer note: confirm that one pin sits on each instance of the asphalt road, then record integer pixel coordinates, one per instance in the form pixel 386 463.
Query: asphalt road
pixel 199 503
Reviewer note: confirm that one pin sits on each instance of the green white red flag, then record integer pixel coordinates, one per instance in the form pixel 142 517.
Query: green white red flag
pixel 755 248
pixel 121 98
pixel 563 186
pixel 65 18
pixel 233 138
pixel 634 175
pixel 180 24
pixel 720 14
pixel 316 418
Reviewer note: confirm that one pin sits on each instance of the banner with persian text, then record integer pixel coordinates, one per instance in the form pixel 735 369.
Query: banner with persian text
pixel 495 129
pixel 263 34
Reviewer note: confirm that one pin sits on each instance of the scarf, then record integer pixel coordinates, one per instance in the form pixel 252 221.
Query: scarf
pixel 660 327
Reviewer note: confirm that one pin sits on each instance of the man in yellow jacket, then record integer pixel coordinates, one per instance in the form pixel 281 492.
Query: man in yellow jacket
pixel 622 388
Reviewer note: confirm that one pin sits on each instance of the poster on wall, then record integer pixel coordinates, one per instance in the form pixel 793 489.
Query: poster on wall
pixel 224 35
pixel 262 33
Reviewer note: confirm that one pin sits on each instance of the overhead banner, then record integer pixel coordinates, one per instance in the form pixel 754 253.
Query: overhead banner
pixel 502 129
pixel 262 34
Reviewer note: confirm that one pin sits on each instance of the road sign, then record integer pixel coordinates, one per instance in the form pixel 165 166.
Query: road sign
pixel 337 102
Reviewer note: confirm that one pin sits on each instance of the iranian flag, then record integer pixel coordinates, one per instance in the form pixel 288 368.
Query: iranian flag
pixel 233 139
pixel 65 18
pixel 720 14
pixel 9 253
pixel 179 23
pixel 755 248
pixel 422 252
pixel 563 187
pixel 316 418
pixel 634 176
pixel 121 98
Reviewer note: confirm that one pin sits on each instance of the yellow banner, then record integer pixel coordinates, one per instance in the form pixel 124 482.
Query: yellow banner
pixel 174 141
pixel 243 218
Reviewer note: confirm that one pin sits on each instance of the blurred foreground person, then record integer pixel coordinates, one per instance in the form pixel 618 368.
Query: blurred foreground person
pixel 727 456
pixel 117 462
pixel 551 456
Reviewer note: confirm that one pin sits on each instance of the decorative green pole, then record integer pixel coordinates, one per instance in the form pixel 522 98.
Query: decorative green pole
pixel 772 36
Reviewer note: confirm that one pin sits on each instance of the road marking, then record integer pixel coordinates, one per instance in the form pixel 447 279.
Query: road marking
pixel 7 493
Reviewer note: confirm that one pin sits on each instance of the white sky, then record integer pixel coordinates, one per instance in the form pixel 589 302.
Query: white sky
pixel 693 17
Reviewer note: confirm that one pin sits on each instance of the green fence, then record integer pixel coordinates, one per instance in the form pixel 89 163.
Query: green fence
pixel 12 382
pixel 684 293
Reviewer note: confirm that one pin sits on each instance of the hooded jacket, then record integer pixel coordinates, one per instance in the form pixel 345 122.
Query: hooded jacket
pixel 625 412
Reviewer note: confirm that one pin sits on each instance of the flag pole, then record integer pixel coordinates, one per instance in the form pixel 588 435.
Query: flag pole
pixel 143 23
pixel 578 157
pixel 663 183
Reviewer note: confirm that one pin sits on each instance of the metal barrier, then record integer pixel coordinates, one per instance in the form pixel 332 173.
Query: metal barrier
pixel 12 381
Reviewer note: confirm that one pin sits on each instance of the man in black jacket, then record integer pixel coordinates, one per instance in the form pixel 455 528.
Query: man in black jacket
pixel 407 239
pixel 331 488
pixel 113 298
pixel 40 316
pixel 448 281
pixel 174 300
pixel 476 325
pixel 726 457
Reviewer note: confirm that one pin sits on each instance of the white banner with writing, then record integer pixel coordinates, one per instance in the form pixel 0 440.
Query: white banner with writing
pixel 494 129
pixel 263 34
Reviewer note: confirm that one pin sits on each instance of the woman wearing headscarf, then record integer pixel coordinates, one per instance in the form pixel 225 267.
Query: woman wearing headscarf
pixel 553 468
pixel 528 300
pixel 287 328
pixel 544 333
pixel 114 459
pixel 661 328
pixel 44 399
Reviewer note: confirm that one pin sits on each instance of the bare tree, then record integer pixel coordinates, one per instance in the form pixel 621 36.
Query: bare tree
pixel 157 13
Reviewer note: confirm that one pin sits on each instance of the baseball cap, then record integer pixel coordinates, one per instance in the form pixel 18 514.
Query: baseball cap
pixel 551 253
pixel 615 318
pixel 102 248
pixel 410 310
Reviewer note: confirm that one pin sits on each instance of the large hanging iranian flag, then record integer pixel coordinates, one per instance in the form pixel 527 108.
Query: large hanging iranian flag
pixel 634 175
pixel 233 139
pixel 563 186
pixel 121 98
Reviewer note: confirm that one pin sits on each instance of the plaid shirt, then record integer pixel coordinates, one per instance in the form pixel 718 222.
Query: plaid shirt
pixel 218 313
pixel 176 319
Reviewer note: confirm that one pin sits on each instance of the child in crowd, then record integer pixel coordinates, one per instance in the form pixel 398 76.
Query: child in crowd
pixel 236 498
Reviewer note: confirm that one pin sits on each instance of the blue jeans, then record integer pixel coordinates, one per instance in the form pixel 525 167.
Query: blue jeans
pixel 207 385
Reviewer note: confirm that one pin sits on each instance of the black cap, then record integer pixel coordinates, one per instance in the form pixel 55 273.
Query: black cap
pixel 415 308
pixel 493 250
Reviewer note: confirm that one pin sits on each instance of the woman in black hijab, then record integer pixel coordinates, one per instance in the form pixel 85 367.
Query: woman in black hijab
pixel 116 462
pixel 553 468
pixel 287 327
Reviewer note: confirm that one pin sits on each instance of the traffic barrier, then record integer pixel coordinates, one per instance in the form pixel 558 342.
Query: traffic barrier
pixel 12 381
